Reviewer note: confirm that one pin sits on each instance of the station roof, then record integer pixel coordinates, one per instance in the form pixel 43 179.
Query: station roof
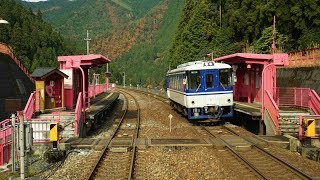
pixel 252 58
pixel 90 60
pixel 43 72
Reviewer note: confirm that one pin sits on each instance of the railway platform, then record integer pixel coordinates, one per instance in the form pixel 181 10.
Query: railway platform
pixel 100 105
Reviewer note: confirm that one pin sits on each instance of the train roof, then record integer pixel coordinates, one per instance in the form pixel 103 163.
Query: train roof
pixel 199 65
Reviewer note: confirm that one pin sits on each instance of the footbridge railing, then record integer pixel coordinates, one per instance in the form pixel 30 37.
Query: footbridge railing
pixel 6 49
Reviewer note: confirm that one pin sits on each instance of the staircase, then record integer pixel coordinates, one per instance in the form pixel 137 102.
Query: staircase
pixel 289 121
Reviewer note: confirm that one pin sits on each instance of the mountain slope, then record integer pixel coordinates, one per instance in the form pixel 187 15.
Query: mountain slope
pixel 246 26
pixel 141 30
pixel 100 17
pixel 33 40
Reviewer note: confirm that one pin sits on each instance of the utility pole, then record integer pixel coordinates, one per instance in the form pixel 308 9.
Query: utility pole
pixel 21 145
pixel 88 40
pixel 124 79
pixel 274 36
pixel 220 14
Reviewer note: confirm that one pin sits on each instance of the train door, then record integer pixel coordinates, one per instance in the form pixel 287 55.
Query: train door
pixel 210 80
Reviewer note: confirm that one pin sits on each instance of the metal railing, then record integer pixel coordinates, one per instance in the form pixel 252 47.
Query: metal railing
pixel 271 106
pixel 77 115
pixel 304 97
pixel 305 58
pixel 95 90
pixel 314 102
pixel 41 129
pixel 5 141
pixel 30 107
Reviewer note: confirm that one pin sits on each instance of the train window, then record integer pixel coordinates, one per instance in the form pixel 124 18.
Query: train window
pixel 209 80
pixel 225 78
pixel 193 79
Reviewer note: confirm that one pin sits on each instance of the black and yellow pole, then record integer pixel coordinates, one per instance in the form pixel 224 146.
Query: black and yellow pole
pixel 54 135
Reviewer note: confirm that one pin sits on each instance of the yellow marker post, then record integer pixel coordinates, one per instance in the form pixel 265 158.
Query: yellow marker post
pixel 311 127
pixel 54 134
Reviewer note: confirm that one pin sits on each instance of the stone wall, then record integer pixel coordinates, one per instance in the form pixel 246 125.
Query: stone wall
pixel 308 77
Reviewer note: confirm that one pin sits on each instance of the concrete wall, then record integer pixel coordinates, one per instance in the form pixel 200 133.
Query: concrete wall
pixel 299 77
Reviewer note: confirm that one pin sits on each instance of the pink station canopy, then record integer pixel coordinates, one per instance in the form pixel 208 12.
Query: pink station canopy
pixel 91 60
pixel 251 58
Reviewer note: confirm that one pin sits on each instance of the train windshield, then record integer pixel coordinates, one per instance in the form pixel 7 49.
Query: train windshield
pixel 225 78
pixel 193 79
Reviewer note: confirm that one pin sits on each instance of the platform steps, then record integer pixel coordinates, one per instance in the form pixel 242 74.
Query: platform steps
pixel 289 122
pixel 66 122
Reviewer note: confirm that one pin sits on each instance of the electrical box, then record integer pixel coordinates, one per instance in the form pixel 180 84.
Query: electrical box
pixel 54 134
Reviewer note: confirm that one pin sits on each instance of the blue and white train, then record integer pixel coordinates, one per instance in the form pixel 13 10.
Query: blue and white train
pixel 201 90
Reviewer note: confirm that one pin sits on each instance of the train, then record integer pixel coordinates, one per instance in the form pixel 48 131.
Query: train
pixel 201 90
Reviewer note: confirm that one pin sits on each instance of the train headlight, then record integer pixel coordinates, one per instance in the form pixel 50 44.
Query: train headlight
pixel 229 100
pixel 192 102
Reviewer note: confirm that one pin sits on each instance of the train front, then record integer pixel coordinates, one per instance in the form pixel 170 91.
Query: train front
pixel 209 93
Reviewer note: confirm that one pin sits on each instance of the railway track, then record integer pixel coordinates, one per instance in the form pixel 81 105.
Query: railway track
pixel 259 162
pixel 181 153
pixel 118 157
pixel 150 94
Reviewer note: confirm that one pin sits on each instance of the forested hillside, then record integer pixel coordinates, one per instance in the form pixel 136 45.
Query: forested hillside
pixel 100 17
pixel 33 40
pixel 144 56
pixel 146 37
pixel 135 34
pixel 246 27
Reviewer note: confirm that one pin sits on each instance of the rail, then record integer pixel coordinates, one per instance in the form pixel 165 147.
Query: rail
pixel 226 144
pixel 134 154
pixel 77 115
pixel 30 107
pixel 105 149
pixel 272 108
pixel 306 58
pixel 283 162
pixel 6 49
